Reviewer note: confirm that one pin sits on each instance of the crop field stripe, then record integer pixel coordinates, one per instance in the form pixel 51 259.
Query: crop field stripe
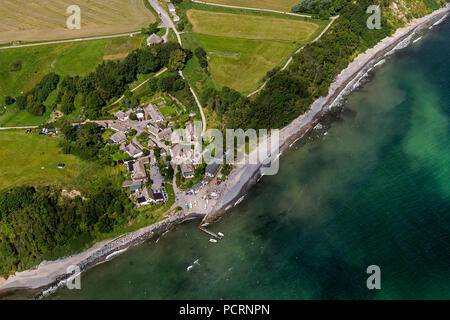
pixel 33 21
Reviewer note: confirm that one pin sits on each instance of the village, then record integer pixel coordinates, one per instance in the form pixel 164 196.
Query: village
pixel 161 151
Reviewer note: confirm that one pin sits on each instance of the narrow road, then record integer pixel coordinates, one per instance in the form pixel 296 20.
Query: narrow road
pixel 168 23
pixel 132 90
pixel 71 40
pixel 18 128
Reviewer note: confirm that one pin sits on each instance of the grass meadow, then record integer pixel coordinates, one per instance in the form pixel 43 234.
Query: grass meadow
pixel 76 58
pixel 29 158
pixel 242 45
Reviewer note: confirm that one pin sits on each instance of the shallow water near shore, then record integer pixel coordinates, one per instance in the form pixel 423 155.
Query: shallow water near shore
pixel 375 190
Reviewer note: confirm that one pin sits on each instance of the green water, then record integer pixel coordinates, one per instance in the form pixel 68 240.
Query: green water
pixel 374 190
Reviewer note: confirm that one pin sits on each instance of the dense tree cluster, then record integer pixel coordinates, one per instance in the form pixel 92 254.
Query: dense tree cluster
pixel 109 80
pixel 33 100
pixel 36 220
pixel 200 53
pixel 323 8
pixel 84 141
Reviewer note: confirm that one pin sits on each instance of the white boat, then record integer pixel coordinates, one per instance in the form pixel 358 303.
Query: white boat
pixel 189 268
pixel 212 240
pixel 220 234
pixel 196 262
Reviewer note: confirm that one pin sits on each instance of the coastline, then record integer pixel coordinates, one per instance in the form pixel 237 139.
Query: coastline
pixel 49 276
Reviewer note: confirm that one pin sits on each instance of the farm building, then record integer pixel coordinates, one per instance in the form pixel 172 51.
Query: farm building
pixel 155 113
pixel 154 39
pixel 117 138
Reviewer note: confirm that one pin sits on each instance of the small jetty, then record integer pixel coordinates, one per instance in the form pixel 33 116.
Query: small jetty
pixel 213 234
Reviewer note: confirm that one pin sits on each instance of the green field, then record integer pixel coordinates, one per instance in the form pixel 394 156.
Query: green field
pixel 33 159
pixel 243 46
pixel 76 58
pixel 251 26
pixel 241 63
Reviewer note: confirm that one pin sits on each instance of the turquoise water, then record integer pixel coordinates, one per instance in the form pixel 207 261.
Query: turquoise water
pixel 374 190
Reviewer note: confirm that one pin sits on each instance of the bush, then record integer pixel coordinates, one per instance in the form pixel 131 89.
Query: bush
pixel 21 102
pixel 16 66
pixel 36 109
pixel 9 100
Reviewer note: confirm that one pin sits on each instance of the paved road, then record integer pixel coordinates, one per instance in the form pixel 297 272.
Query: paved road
pixel 18 128
pixel 71 40
pixel 167 22
pixel 155 76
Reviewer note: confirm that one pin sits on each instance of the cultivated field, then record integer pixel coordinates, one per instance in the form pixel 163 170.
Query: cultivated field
pixel 33 159
pixel 280 5
pixel 46 20
pixel 76 58
pixel 243 47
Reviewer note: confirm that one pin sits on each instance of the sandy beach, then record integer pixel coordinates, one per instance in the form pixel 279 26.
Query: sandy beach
pixel 50 275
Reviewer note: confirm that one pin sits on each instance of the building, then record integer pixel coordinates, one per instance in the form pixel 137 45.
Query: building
pixel 165 134
pixel 133 185
pixel 132 149
pixel 118 127
pixel 155 114
pixel 196 187
pixel 187 170
pixel 120 115
pixel 151 196
pixel 154 39
pixel 140 114
pixel 171 8
pixel 212 169
pixel 139 172
pixel 117 138
pixel 176 18
pixel 153 129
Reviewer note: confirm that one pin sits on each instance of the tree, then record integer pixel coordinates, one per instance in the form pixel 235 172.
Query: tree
pixel 89 141
pixel 152 28
pixel 133 116
pixel 179 84
pixel 67 103
pixel 153 84
pixel 36 109
pixel 66 128
pixel 21 102
pixel 177 60
pixel 93 105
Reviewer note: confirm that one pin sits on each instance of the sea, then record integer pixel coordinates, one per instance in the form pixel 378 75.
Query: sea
pixel 369 188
